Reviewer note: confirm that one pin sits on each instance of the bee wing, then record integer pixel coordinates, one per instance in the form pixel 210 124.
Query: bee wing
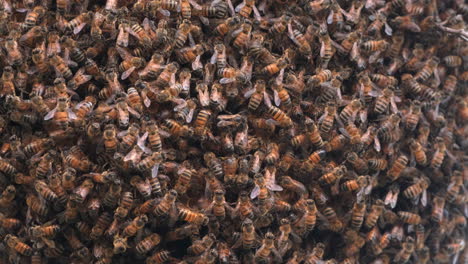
pixel 132 156
pixel 213 58
pixel 71 114
pixel 181 103
pixel 255 192
pixel 393 105
pixel 325 113
pixel 50 114
pixel 272 186
pixel 266 99
pixel 122 38
pixel 276 98
pixel 133 112
pixel 226 80
pixel 127 73
pixel 78 29
pixel 236 32
pixel 146 100
pixel 239 6
pixel 360 195
pixel 190 116
pixel 154 171
pixel 196 64
pixel 330 17
pixel 322 49
pixel 256 13
pixel 164 12
pixel 388 29
pixel 377 146
pixel 363 115
pixel 424 198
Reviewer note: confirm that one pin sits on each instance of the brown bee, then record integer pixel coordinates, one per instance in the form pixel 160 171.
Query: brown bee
pixel 427 70
pixel 409 218
pixel 193 217
pixel 7 196
pixel 17 245
pixel 334 175
pixel 407 249
pixel 43 189
pixel 136 224
pixel 82 191
pixel 438 209
pixel 167 203
pixel 36 205
pixel 418 152
pixel 419 188
pixel 439 154
pixel 374 214
pixel 148 243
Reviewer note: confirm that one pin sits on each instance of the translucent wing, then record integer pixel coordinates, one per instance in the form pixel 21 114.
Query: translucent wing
pixel 424 198
pixel 127 73
pixel 190 116
pixel 330 18
pixel 276 98
pixel 154 171
pixel 388 30
pixel 133 112
pixel 238 7
pixel 50 114
pixel 226 80
pixel 71 114
pixel 196 64
pixel 377 146
pixel 79 28
pixel 255 192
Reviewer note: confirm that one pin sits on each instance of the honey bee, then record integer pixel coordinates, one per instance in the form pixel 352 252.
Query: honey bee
pixel 439 154
pixel 334 175
pixel 248 236
pixel 438 205
pixel 167 75
pixel 137 223
pixel 406 251
pixel 44 191
pixel 148 243
pixel 417 152
pixel 7 168
pixel 242 36
pixel 452 61
pixel 409 218
pixel 375 45
pixel 202 245
pixel 326 48
pixel 418 188
pixel 349 112
pixel 142 186
pixel 290 184
pixel 14 54
pixel 384 131
pixel 374 214
pixel 36 205
pixel 82 191
pixel 427 70
pixel 110 138
pixel 411 119
pixel 379 21
pixel 159 257
pixel 166 204
pixel 7 196
pixel 17 245
pixel 193 217
pixel 191 54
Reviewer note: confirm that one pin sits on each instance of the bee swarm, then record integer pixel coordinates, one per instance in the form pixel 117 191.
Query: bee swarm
pixel 233 131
